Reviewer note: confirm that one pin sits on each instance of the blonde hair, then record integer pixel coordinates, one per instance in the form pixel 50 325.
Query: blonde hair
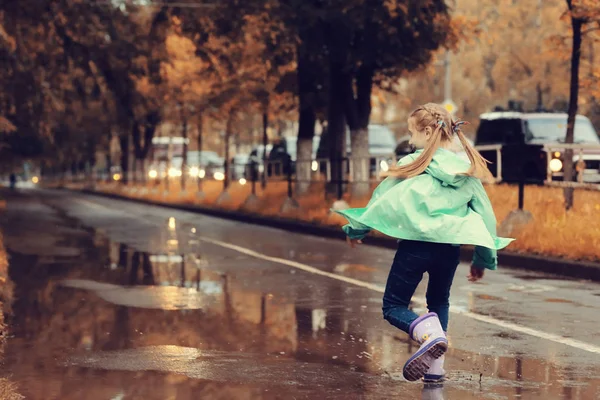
pixel 444 128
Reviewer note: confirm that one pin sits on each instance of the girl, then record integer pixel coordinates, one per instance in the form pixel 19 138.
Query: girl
pixel 433 201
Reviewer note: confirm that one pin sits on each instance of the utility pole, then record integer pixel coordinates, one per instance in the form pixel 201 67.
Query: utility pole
pixel 448 103
pixel 448 78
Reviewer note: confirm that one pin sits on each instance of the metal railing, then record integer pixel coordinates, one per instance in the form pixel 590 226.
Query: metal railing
pixel 338 174
pixel 586 159
pixel 498 149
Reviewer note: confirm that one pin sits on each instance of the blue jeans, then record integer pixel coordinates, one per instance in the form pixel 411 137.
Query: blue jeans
pixel 412 260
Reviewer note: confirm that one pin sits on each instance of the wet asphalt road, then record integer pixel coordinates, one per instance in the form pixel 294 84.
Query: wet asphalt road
pixel 114 302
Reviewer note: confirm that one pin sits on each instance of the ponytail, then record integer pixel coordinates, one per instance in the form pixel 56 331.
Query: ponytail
pixel 479 164
pixel 437 117
pixel 418 166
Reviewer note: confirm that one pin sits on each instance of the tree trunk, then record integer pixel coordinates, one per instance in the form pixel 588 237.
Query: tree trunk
pixel 361 163
pixel 142 150
pixel 134 168
pixel 136 138
pixel 307 120
pixel 540 96
pixel 184 158
pixel 124 142
pixel 304 165
pixel 265 140
pixel 336 130
pixel 573 105
pixel 358 112
pixel 199 145
pixel 228 129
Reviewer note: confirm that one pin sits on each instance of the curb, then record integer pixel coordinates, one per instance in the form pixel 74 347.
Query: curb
pixel 582 270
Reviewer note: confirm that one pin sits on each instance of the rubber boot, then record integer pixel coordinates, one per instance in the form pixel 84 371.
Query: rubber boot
pixel 435 373
pixel 427 331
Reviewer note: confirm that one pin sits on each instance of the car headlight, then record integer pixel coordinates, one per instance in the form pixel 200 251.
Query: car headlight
pixel 153 174
pixel 194 172
pixel 174 172
pixel 314 166
pixel 384 165
pixel 219 176
pixel 555 165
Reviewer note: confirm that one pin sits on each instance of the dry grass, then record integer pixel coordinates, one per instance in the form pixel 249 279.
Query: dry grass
pixel 8 390
pixel 553 232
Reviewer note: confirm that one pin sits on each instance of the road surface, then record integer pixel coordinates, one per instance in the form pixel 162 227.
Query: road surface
pixel 117 300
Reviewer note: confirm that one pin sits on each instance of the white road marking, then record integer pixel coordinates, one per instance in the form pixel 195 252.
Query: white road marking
pixel 378 288
pixel 92 204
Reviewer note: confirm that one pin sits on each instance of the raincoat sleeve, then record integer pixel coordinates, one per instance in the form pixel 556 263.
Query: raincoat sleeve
pixel 484 258
pixel 357 231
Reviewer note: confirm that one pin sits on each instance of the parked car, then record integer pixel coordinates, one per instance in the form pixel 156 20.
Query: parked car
pixel 526 137
pixel 382 146
pixel 199 164
pixel 238 169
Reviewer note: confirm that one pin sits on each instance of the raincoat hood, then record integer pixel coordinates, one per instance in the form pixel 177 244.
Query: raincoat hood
pixel 448 168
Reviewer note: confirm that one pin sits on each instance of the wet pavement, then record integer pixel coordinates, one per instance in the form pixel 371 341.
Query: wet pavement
pixel 117 300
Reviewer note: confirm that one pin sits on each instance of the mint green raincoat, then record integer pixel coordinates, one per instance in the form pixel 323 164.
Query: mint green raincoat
pixel 441 205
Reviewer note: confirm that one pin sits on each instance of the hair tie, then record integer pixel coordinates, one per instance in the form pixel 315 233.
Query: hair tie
pixel 442 123
pixel 457 125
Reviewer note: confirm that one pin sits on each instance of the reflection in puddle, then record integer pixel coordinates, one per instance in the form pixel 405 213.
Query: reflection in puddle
pixel 161 298
pixel 236 367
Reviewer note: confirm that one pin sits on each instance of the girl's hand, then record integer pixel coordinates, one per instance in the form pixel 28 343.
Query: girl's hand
pixel 476 274
pixel 353 242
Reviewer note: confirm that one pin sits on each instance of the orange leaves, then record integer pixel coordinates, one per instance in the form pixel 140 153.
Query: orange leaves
pixel 6 126
pixel 463 29
pixel 587 10
pixel 6 40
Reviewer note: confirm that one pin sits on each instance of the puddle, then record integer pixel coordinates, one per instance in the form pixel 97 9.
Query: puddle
pixel 153 297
